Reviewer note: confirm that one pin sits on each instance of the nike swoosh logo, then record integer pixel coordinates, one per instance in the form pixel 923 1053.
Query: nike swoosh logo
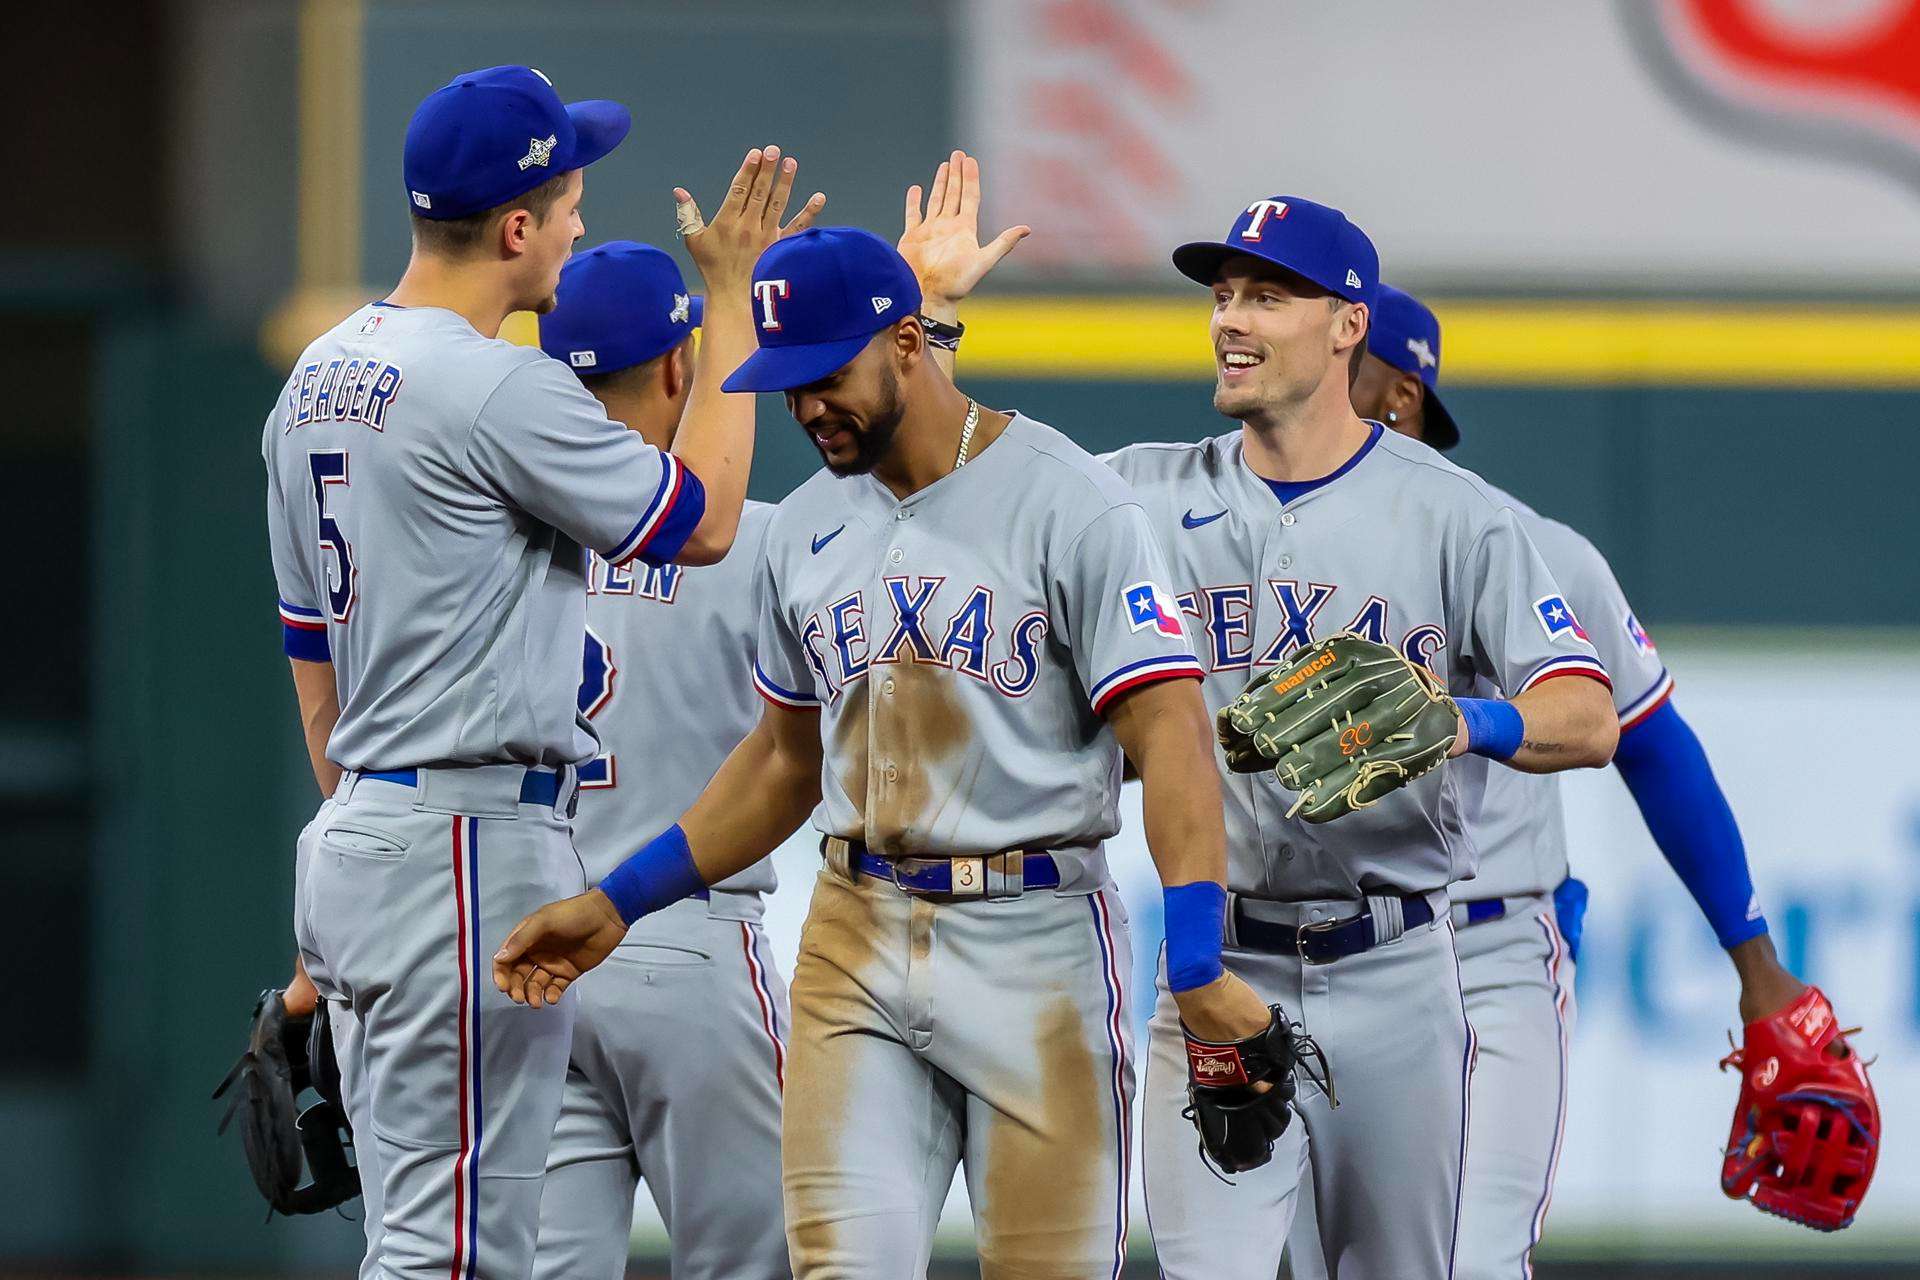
pixel 1192 521
pixel 821 540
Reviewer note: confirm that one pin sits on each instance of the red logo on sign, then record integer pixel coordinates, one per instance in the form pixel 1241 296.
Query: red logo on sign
pixel 1833 77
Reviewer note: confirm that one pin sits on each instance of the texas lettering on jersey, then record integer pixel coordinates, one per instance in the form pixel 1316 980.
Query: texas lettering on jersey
pixel 1225 615
pixel 923 619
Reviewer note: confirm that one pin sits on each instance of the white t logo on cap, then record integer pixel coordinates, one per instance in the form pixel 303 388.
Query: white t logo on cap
pixel 767 291
pixel 1261 211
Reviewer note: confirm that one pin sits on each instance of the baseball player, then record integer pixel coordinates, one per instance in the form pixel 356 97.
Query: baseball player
pixel 1306 523
pixel 431 491
pixel 962 628
pixel 1518 918
pixel 679 1047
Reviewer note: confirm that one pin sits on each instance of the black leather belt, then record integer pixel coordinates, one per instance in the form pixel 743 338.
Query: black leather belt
pixel 1325 942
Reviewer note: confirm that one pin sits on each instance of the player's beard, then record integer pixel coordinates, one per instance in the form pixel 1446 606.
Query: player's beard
pixel 874 441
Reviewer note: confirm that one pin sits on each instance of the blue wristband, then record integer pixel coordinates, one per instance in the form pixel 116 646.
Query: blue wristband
pixel 659 875
pixel 1196 919
pixel 1494 727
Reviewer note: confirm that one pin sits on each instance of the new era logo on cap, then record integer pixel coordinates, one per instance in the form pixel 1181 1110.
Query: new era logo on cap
pixel 880 305
pixel 422 199
pixel 1353 278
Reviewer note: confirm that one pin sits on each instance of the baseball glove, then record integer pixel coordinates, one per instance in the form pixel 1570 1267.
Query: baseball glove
pixel 1807 1128
pixel 1343 722
pixel 285 1056
pixel 1238 1123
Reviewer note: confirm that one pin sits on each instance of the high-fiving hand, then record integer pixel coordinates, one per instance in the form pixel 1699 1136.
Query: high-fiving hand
pixel 942 237
pixel 748 221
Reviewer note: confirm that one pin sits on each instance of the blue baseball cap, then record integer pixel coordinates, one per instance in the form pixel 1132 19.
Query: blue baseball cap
pixel 818 299
pixel 495 134
pixel 1406 335
pixel 619 304
pixel 1311 240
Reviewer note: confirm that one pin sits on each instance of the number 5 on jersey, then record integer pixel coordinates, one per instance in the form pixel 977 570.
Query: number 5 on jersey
pixel 329 467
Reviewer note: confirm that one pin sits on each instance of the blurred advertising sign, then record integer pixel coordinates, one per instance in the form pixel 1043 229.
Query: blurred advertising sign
pixel 1487 143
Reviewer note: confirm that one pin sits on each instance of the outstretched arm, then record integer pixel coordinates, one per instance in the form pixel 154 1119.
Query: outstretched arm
pixel 715 439
pixel 1167 734
pixel 1666 769
pixel 1567 723
pixel 763 792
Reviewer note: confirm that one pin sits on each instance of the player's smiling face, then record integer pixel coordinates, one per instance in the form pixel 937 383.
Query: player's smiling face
pixel 1272 337
pixel 851 415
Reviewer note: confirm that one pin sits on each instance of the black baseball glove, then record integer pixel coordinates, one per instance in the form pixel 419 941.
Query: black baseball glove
pixel 284 1057
pixel 1238 1123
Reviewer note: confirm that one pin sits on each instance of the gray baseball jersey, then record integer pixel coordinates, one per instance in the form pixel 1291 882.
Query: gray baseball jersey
pixel 1402 547
pixel 1406 549
pixel 429 495
pixel 1518 822
pixel 667 686
pixel 962 645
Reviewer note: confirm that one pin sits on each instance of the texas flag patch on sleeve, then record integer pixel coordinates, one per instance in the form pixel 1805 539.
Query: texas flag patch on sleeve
pixel 1148 606
pixel 1557 619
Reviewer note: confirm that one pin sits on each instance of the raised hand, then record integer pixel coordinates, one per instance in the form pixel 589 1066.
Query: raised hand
pixel 748 221
pixel 942 239
pixel 549 949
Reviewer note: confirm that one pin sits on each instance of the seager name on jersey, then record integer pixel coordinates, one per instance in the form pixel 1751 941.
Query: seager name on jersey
pixel 343 390
pixel 923 620
pixel 1225 615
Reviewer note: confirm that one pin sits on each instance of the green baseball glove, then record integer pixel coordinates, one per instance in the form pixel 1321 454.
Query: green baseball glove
pixel 1343 723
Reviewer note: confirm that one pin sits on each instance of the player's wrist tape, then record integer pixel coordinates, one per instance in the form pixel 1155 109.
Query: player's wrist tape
pixel 659 875
pixel 1494 727
pixel 1196 919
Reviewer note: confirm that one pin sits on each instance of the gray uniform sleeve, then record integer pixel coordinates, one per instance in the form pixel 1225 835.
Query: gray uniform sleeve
pixel 1113 610
pixel 546 446
pixel 303 616
pixel 1640 679
pixel 1514 623
pixel 784 668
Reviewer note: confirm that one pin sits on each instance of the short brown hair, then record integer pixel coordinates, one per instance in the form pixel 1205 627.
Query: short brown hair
pixel 457 237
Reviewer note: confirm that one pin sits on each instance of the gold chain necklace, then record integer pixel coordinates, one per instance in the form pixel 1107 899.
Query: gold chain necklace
pixel 966 432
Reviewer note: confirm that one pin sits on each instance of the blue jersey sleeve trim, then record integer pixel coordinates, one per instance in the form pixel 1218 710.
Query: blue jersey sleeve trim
pixel 1666 769
pixel 669 520
pixel 1172 666
pixel 774 693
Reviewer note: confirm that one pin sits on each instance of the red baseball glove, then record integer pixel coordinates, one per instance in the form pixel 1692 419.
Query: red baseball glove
pixel 1807 1129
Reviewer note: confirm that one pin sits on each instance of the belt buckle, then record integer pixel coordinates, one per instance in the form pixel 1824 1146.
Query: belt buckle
pixel 968 877
pixel 1300 939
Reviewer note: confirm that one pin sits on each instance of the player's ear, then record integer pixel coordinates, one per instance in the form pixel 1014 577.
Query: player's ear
pixel 677 369
pixel 1350 324
pixel 909 343
pixel 1405 396
pixel 514 229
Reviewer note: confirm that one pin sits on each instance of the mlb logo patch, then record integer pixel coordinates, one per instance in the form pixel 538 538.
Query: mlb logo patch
pixel 1557 619
pixel 371 323
pixel 1638 634
pixel 584 359
pixel 1148 606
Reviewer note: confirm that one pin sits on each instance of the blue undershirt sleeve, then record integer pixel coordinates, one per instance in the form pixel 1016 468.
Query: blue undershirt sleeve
pixel 1666 769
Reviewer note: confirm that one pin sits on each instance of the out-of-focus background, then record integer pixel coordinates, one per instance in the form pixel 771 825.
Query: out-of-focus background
pixel 1675 246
